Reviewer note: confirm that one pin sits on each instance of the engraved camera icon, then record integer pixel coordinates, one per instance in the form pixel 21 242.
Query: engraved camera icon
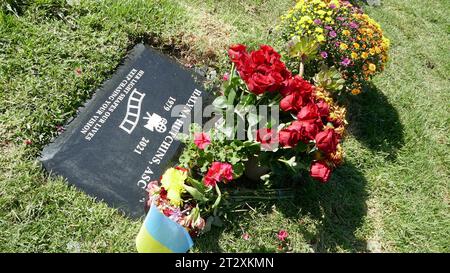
pixel 155 122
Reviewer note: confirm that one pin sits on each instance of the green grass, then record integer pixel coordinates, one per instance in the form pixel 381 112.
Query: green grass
pixel 392 194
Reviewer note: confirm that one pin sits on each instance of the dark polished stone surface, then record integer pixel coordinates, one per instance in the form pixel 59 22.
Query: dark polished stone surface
pixel 124 137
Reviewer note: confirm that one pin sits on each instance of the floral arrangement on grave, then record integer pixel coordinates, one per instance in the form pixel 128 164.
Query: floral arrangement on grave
pixel 338 36
pixel 300 134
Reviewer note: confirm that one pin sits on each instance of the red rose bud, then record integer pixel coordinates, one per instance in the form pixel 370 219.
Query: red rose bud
pixel 288 138
pixel 226 77
pixel 324 109
pixel 320 171
pixel 327 141
pixel 267 138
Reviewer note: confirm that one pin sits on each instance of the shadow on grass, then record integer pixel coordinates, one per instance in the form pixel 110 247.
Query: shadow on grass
pixel 337 210
pixel 375 122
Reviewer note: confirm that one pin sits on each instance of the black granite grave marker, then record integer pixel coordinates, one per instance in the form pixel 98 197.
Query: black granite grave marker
pixel 125 135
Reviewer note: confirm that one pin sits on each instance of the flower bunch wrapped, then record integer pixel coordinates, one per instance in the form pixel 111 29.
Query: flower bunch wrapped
pixel 343 36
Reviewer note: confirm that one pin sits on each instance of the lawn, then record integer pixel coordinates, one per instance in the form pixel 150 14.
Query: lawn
pixel 392 194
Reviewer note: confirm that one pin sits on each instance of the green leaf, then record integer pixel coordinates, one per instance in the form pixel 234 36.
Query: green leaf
pixel 238 169
pixel 195 193
pixel 217 202
pixel 197 184
pixel 231 96
pixel 253 118
pixel 220 102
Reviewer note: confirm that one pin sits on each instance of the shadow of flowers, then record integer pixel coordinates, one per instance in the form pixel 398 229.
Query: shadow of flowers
pixel 337 210
pixel 375 122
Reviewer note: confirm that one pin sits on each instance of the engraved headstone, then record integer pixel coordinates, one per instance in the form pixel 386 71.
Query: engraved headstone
pixel 125 136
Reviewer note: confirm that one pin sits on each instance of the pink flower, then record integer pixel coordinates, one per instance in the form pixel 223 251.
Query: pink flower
pixel 282 235
pixel 345 62
pixel 218 172
pixel 226 77
pixel 246 236
pixel 202 140
pixel 27 142
pixel 78 71
pixel 152 187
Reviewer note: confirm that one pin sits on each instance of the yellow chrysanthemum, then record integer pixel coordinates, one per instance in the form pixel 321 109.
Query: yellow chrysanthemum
pixel 372 67
pixel 364 55
pixel 354 55
pixel 346 32
pixel 343 46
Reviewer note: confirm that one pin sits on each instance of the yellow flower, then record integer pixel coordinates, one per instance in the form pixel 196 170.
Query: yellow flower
pixel 320 38
pixel 354 55
pixel 364 55
pixel 356 91
pixel 372 67
pixel 372 51
pixel 173 181
pixel 356 45
pixel 346 32
pixel 343 46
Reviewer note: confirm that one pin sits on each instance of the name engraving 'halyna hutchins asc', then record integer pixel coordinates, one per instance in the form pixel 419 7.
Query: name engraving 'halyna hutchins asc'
pixel 169 138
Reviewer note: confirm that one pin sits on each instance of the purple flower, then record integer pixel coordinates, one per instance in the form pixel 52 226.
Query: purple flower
pixel 332 6
pixel 328 28
pixel 317 21
pixel 340 18
pixel 345 62
pixel 353 25
pixel 324 54
pixel 337 44
pixel 332 34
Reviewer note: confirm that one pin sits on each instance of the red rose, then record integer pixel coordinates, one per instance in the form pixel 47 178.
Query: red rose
pixel 267 138
pixel 297 84
pixel 292 102
pixel 258 83
pixel 288 137
pixel 324 109
pixel 309 112
pixel 237 52
pixel 327 141
pixel 320 171
pixel 262 70
pixel 306 129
